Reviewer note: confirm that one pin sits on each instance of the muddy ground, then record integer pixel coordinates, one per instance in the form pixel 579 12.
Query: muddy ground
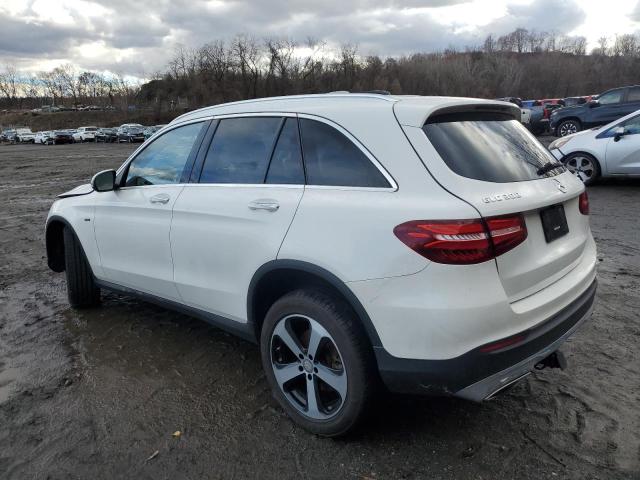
pixel 94 394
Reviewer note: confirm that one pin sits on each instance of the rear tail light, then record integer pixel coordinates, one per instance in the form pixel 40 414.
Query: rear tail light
pixel 583 203
pixel 463 242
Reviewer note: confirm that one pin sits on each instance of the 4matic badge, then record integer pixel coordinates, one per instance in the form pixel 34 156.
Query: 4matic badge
pixel 500 197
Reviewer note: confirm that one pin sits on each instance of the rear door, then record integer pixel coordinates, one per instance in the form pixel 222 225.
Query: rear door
pixel 233 219
pixel 632 100
pixel 492 162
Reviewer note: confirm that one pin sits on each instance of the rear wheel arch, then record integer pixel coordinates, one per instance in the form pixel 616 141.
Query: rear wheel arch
pixel 279 277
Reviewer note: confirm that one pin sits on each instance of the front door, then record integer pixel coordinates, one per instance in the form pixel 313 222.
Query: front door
pixel 623 155
pixel 132 223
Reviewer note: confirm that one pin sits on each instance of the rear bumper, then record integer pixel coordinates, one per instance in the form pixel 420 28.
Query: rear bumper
pixel 477 375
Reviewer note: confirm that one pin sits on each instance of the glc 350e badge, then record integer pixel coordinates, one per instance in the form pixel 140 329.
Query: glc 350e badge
pixel 500 197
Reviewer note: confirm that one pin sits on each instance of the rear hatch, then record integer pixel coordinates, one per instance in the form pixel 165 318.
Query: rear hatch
pixel 487 158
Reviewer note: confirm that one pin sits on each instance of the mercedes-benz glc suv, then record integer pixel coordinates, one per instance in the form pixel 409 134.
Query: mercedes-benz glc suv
pixel 427 244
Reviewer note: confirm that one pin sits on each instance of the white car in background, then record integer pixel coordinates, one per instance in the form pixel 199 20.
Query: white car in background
pixel 25 135
pixel 85 134
pixel 43 138
pixel 608 151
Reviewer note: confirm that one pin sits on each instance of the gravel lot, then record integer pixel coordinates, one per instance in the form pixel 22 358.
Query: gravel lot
pixel 94 394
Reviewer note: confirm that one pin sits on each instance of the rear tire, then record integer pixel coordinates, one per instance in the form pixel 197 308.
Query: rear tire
pixel 344 357
pixel 81 289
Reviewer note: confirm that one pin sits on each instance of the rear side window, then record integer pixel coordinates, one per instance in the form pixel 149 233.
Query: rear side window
pixel 332 159
pixel 286 162
pixel 488 147
pixel 634 94
pixel 164 160
pixel 240 150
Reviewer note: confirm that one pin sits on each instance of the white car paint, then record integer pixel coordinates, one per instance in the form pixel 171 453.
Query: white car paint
pixel 616 156
pixel 203 246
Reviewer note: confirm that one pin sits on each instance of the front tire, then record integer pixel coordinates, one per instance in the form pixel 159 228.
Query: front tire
pixel 568 127
pixel 318 361
pixel 584 166
pixel 81 289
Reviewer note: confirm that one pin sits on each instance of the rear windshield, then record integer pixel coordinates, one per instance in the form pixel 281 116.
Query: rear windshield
pixel 491 147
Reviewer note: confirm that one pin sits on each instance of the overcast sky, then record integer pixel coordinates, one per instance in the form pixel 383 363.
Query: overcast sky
pixel 136 37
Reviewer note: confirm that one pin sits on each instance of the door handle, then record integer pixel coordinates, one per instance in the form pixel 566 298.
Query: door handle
pixel 264 204
pixel 160 198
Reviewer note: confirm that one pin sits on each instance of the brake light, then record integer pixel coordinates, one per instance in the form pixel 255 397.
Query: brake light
pixel 583 203
pixel 463 242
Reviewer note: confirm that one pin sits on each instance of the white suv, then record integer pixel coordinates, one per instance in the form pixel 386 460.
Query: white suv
pixel 428 242
pixel 85 134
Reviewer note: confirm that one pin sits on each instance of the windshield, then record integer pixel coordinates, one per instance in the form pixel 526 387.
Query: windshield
pixel 491 147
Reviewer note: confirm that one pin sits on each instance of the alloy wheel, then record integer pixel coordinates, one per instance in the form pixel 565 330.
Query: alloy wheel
pixel 308 367
pixel 568 128
pixel 582 167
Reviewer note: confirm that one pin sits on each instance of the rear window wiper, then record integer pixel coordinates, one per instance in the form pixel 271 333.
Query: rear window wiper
pixel 548 167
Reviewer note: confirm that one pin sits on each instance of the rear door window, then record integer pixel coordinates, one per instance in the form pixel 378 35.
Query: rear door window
pixel 286 162
pixel 240 150
pixel 332 159
pixel 491 147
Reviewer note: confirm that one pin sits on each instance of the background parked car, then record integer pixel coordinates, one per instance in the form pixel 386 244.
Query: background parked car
pixel 43 138
pixel 151 130
pixel 131 135
pixel 85 134
pixel 106 135
pixel 62 136
pixel 570 101
pixel 612 150
pixel 611 105
pixel 8 135
pixel 24 135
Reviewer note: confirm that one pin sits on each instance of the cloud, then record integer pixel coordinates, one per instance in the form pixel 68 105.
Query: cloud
pixel 140 36
pixel 33 38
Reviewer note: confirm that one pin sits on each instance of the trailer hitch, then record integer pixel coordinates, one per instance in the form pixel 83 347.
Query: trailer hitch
pixel 555 360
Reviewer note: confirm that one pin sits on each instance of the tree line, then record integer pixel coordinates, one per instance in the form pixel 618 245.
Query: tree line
pixel 523 63
pixel 64 85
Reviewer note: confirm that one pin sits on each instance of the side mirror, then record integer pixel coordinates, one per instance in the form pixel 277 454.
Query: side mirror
pixel 593 104
pixel 618 133
pixel 104 181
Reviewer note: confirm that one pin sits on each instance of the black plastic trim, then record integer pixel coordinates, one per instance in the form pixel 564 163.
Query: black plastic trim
pixel 49 247
pixel 449 376
pixel 242 330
